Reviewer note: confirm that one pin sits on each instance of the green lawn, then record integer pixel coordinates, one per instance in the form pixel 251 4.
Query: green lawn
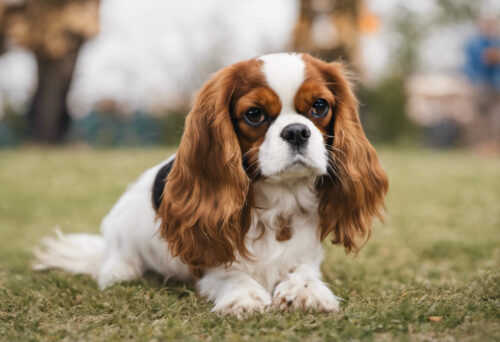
pixel 438 254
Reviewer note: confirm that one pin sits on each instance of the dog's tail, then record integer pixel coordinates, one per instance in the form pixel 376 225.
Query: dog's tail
pixel 74 253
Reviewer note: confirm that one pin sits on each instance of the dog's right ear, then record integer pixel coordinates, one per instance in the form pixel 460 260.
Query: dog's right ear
pixel 353 194
pixel 204 212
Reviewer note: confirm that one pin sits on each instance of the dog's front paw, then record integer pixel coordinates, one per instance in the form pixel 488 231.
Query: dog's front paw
pixel 240 303
pixel 294 293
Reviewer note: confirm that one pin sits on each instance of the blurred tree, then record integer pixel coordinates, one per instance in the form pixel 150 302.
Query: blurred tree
pixel 382 110
pixel 2 22
pixel 54 30
pixel 329 29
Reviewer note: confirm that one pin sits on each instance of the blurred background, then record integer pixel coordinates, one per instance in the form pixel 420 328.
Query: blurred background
pixel 124 72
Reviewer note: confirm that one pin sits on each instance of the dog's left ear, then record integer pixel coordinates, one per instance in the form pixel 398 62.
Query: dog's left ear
pixel 204 210
pixel 353 194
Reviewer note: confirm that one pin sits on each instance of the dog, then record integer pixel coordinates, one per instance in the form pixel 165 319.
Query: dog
pixel 272 162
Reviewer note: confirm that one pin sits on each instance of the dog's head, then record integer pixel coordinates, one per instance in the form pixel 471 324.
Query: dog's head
pixel 273 118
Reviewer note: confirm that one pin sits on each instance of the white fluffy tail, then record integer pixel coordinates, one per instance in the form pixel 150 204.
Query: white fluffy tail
pixel 74 253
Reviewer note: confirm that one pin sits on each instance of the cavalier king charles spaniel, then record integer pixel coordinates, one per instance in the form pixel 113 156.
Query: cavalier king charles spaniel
pixel 273 161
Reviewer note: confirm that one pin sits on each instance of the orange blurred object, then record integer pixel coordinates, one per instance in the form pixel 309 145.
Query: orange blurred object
pixel 369 22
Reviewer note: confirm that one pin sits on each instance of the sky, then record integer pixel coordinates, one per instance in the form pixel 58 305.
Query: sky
pixel 151 54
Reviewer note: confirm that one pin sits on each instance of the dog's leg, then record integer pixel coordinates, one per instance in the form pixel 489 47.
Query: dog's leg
pixel 115 270
pixel 302 289
pixel 233 292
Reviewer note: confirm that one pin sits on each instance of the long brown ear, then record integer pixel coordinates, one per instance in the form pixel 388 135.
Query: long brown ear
pixel 353 194
pixel 204 212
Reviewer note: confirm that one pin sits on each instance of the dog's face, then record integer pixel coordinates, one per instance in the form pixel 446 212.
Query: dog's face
pixel 282 122
pixel 272 118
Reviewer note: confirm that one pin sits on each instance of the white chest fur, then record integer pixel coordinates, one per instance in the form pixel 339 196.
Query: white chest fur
pixel 295 202
pixel 285 273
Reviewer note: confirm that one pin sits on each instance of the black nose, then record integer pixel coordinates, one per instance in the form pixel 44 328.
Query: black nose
pixel 296 134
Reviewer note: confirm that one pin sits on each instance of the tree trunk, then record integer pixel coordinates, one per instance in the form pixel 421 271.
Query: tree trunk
pixel 342 33
pixel 48 115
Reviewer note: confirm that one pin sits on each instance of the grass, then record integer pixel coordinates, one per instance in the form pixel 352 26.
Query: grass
pixel 438 254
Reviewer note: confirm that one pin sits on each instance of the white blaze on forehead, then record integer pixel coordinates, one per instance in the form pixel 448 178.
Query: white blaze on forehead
pixel 284 74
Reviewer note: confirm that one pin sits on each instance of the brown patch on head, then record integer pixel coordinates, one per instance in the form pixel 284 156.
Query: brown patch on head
pixel 315 88
pixel 252 92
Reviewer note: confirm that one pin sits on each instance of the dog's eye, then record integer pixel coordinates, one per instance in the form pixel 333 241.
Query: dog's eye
pixel 320 108
pixel 254 116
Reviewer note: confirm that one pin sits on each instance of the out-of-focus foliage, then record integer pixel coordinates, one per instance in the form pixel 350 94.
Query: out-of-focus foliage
pixel 13 127
pixel 411 29
pixel 382 111
pixel 139 128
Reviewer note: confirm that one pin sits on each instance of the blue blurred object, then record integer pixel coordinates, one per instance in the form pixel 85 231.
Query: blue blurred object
pixel 106 129
pixel 443 134
pixel 7 136
pixel 476 68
